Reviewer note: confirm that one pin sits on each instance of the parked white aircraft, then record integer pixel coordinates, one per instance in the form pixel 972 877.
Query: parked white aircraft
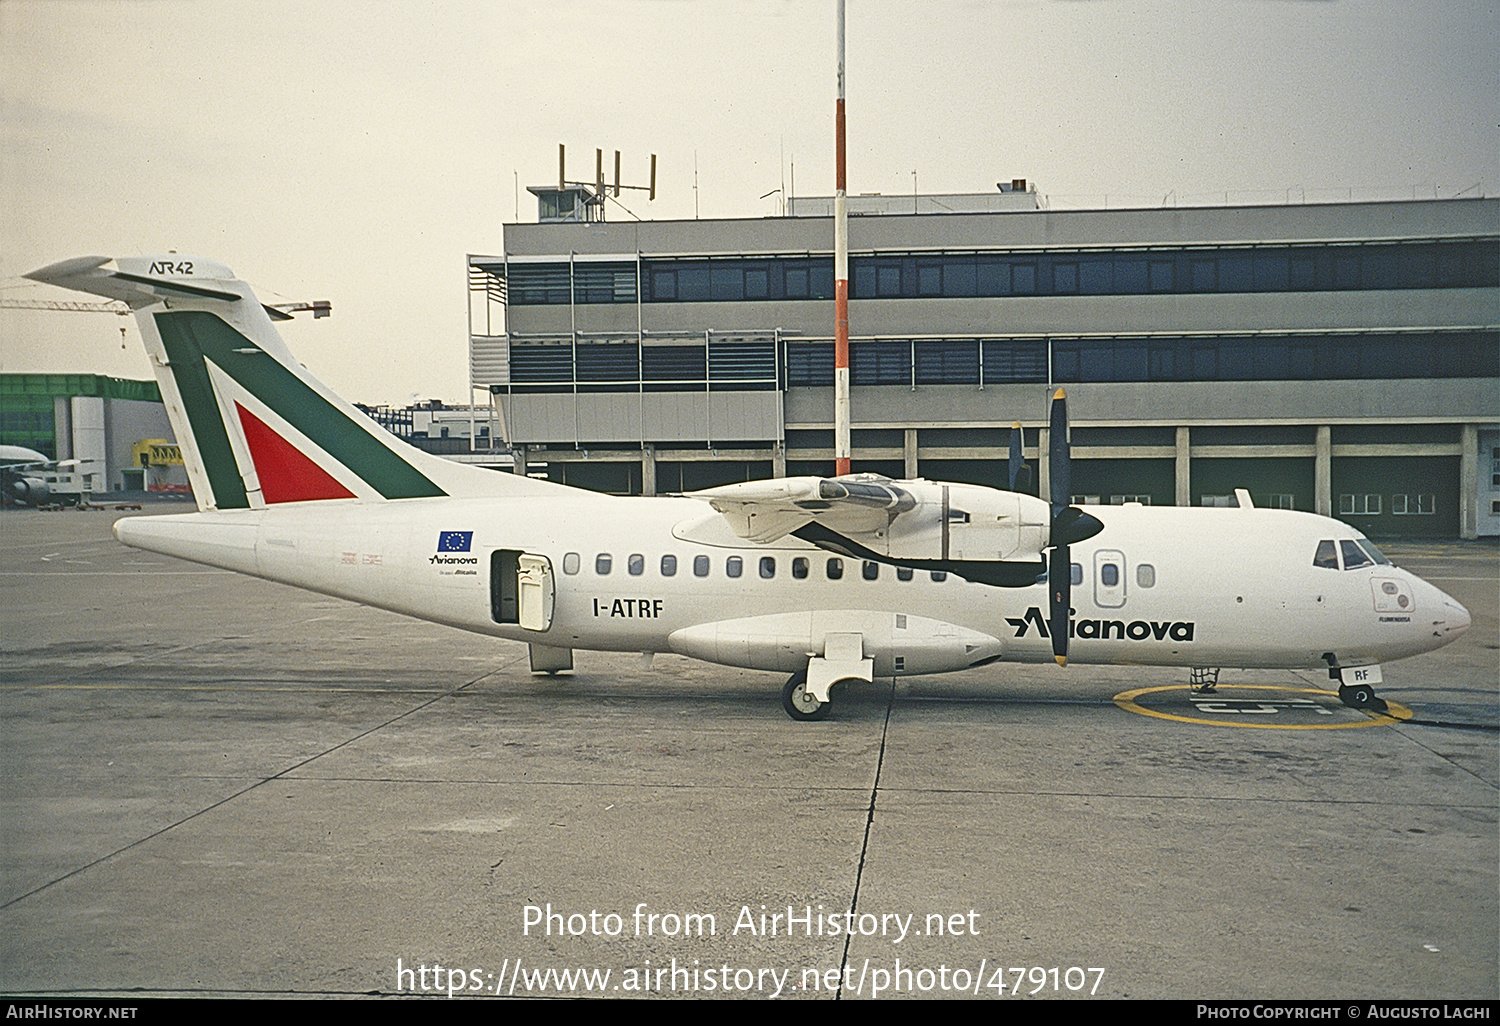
pixel 22 470
pixel 825 579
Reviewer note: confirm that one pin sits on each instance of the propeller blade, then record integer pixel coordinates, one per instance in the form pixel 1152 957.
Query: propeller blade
pixel 1069 525
pixel 1059 600
pixel 1059 466
pixel 1019 471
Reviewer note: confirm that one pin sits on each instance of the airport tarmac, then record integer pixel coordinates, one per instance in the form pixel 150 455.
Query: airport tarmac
pixel 218 786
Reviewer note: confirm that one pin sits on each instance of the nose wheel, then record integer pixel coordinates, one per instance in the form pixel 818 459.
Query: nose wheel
pixel 1361 696
pixel 798 703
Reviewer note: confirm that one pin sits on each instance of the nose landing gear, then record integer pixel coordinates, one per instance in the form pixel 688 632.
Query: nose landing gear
pixel 1362 696
pixel 1357 685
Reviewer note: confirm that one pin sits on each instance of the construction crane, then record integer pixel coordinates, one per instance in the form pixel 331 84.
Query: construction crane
pixel 278 311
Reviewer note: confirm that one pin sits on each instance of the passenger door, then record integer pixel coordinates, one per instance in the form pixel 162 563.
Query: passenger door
pixel 521 589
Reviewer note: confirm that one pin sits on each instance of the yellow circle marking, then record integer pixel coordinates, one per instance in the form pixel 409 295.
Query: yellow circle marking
pixel 1395 714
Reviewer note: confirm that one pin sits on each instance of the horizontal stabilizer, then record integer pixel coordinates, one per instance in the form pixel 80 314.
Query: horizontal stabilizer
pixel 140 281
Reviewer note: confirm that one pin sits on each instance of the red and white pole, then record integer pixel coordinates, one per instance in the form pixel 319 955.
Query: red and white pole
pixel 841 448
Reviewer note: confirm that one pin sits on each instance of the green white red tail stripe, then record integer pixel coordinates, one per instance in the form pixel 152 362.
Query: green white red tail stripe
pixel 256 428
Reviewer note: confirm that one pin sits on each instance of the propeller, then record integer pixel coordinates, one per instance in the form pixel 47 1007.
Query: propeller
pixel 1069 524
pixel 1019 470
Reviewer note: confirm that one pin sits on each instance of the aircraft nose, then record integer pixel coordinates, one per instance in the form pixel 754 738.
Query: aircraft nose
pixel 1458 619
pixel 1450 619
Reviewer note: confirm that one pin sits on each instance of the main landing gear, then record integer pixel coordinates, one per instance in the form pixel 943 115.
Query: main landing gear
pixel 798 703
pixel 808 691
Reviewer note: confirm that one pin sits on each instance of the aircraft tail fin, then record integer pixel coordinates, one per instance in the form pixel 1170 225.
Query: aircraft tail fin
pixel 257 429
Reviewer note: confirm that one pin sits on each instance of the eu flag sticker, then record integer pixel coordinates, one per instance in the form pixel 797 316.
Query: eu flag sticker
pixel 455 541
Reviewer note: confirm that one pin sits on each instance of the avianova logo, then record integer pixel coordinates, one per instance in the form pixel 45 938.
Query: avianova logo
pixel 1135 630
pixel 454 541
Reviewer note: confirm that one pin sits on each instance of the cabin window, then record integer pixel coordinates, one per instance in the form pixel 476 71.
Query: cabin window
pixel 700 566
pixel 636 564
pixel 669 566
pixel 903 573
pixel 1354 556
pixel 1327 556
pixel 939 576
pixel 1077 574
pixel 768 567
pixel 1109 575
pixel 799 568
pixel 570 563
pixel 871 570
pixel 1145 575
pixel 603 563
pixel 734 566
pixel 835 569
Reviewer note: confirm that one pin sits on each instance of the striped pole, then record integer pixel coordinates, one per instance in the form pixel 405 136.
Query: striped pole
pixel 840 279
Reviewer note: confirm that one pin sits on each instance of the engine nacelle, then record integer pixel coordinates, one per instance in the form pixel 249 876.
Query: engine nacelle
pixel 967 522
pixel 30 490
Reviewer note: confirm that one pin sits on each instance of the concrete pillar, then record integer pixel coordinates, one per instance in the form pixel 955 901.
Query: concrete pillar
pixel 62 427
pixel 1182 466
pixel 1043 475
pixel 778 459
pixel 1468 482
pixel 88 441
pixel 1323 472
pixel 648 470
pixel 518 461
pixel 910 444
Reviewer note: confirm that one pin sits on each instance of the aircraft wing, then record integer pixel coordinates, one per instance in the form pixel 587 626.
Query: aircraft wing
pixel 764 511
pixel 921 523
pixel 44 465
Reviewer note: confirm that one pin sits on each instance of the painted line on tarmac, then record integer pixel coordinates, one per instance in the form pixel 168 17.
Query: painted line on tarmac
pixel 1127 700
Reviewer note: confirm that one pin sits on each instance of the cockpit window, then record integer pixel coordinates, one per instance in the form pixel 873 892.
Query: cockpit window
pixel 1375 554
pixel 1327 556
pixel 1354 556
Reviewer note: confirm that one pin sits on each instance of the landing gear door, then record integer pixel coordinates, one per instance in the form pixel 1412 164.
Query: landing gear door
pixel 535 591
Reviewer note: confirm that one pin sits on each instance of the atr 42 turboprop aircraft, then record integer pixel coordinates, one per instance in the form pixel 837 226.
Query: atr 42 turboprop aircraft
pixel 825 579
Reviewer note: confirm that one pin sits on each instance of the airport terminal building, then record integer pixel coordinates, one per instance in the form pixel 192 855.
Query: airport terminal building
pixel 1339 358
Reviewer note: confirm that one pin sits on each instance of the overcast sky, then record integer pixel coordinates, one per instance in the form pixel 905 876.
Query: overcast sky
pixel 356 151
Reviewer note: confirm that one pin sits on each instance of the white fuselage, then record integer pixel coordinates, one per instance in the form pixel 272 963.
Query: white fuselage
pixel 1190 586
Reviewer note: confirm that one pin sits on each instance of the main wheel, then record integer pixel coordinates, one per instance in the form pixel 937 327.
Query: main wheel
pixel 800 705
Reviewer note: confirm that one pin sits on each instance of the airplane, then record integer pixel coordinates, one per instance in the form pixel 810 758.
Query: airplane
pixel 19 467
pixel 827 580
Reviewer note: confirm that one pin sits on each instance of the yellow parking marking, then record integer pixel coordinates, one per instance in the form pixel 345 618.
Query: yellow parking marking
pixel 1396 712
